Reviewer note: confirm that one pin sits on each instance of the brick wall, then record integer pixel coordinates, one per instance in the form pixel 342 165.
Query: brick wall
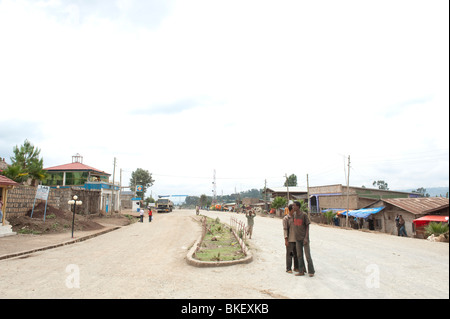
pixel 21 199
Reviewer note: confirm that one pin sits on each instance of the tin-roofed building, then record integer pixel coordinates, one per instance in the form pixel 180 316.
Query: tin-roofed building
pixel 331 197
pixel 410 209
pixel 294 192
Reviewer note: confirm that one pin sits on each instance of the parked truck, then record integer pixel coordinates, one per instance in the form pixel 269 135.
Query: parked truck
pixel 164 205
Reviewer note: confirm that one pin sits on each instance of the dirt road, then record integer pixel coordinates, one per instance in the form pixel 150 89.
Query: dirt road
pixel 147 260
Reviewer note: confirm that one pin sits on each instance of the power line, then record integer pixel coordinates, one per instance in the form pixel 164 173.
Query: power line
pixel 204 177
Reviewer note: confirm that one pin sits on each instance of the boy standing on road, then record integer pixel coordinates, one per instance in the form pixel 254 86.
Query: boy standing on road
pixel 301 228
pixel 289 240
pixel 250 222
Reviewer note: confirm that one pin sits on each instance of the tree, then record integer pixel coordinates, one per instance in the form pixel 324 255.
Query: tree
pixel 279 202
pixel 291 180
pixel 422 191
pixel 203 200
pixel 303 206
pixel 141 177
pixel 381 185
pixel 26 165
pixel 149 200
pixel 191 201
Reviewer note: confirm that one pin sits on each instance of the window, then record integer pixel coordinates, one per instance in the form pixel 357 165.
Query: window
pixel 54 179
pixel 76 178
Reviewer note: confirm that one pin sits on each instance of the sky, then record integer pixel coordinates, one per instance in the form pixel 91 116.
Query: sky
pixel 250 89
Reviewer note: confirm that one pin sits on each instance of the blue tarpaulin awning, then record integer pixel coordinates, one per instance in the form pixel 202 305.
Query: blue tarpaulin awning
pixel 363 212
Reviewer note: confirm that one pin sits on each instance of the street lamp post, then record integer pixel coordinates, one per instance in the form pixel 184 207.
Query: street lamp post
pixel 75 202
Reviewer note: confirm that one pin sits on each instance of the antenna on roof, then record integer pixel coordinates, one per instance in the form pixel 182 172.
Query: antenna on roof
pixel 77 158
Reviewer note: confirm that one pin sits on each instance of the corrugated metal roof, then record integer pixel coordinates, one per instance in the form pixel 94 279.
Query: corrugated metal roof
pixel 292 189
pixel 421 205
pixel 5 181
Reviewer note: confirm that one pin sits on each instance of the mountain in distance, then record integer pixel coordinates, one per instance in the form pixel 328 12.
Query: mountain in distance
pixel 433 191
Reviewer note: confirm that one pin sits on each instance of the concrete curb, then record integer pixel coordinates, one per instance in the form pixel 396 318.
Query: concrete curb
pixel 72 241
pixel 199 263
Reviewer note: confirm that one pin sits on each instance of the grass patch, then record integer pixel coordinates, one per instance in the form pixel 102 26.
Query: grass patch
pixel 131 219
pixel 219 243
pixel 28 231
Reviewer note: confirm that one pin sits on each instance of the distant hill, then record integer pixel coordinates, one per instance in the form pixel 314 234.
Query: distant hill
pixel 433 191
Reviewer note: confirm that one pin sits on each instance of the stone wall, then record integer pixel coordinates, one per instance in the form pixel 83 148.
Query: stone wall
pixel 21 199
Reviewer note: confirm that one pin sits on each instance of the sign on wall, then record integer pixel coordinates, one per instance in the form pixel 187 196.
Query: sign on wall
pixel 41 193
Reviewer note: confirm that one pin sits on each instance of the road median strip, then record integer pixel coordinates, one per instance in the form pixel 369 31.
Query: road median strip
pixel 212 232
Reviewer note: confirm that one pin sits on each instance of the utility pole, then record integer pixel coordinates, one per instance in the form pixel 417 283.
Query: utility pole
pixel 120 192
pixel 237 207
pixel 265 195
pixel 214 189
pixel 348 185
pixel 287 187
pixel 114 188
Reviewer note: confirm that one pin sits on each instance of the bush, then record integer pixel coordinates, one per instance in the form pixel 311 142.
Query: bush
pixel 279 202
pixel 436 229
pixel 329 215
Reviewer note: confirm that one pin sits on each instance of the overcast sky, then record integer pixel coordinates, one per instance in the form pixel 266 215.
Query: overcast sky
pixel 254 89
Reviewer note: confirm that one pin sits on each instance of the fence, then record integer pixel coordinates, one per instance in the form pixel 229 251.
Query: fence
pixel 204 229
pixel 239 230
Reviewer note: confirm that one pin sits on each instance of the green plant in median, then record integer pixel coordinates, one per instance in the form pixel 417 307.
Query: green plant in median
pixel 218 244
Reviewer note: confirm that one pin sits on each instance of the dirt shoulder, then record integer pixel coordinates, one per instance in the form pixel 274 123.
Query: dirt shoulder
pixel 60 221
pixel 33 233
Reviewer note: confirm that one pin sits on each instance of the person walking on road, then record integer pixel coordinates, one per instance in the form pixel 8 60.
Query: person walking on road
pixel 141 215
pixel 301 228
pixel 289 240
pixel 402 228
pixel 397 224
pixel 250 222
pixel 150 215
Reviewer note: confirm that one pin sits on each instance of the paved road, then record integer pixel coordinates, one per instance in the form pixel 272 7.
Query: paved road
pixel 148 261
